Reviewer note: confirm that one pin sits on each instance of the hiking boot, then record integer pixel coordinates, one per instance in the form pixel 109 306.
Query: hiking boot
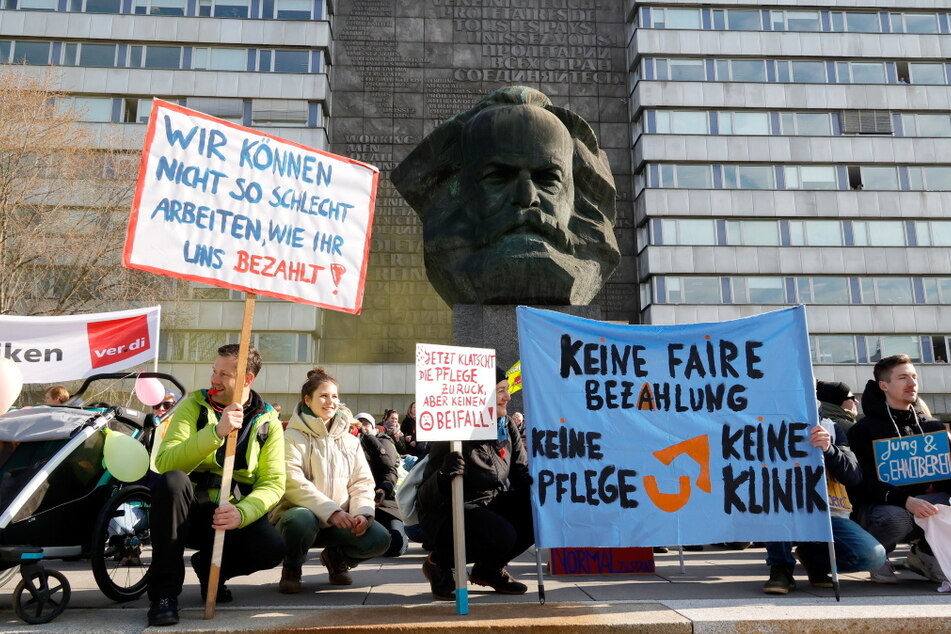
pixel 440 580
pixel 885 574
pixel 921 563
pixel 290 580
pixel 337 568
pixel 817 578
pixel 498 579
pixel 780 580
pixel 164 611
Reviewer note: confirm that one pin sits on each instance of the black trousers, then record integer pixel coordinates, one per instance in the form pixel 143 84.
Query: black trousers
pixel 495 534
pixel 178 520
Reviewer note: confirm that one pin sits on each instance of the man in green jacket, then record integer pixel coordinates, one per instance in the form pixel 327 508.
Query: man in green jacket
pixel 185 510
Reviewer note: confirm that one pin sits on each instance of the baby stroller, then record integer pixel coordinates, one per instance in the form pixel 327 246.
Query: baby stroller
pixel 59 501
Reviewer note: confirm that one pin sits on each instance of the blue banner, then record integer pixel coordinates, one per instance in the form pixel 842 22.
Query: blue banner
pixel 656 435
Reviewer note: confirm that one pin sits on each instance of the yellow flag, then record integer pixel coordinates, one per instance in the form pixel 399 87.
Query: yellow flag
pixel 514 375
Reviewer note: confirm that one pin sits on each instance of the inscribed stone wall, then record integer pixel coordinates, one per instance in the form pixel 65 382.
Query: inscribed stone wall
pixel 403 66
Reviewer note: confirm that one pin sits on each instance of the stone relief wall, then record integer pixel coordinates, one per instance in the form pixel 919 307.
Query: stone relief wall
pixel 401 67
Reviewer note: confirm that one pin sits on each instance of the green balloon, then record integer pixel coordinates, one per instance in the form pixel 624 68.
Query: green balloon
pixel 125 457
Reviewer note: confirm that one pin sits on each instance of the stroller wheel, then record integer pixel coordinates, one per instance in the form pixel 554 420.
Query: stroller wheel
pixel 121 551
pixel 41 595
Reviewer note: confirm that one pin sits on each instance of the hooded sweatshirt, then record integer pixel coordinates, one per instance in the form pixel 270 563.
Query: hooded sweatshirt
pixel 877 425
pixel 327 470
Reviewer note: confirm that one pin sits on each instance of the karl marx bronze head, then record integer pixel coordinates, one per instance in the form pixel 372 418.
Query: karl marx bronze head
pixel 517 203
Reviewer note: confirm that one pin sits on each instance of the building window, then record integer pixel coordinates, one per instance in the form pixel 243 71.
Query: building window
pixel 861 72
pixel 284 61
pixel 855 22
pixel 878 233
pixel 34 53
pixel 37 5
pixel 932 179
pixel 681 122
pixel 914 23
pixel 810 177
pixel 936 233
pixel 806 123
pixel 748 177
pixel 224 8
pixel 220 59
pixel 758 290
pixel 880 178
pixel 741 70
pixel 279 113
pixel 866 122
pixel 90 55
pixel 833 348
pixel 737 20
pixel 159 7
pixel 926 124
pixel 746 123
pixel 801 72
pixel 752 233
pixel 686 176
pixel 927 73
pixel 675 18
pixel 795 20
pixel 684 231
pixel 887 290
pixel 294 9
pixel 94 109
pixel 168 57
pixel 823 290
pixel 221 107
pixel 693 290
pixel 198 347
pixel 937 290
pixel 880 347
pixel 96 6
pixel 815 233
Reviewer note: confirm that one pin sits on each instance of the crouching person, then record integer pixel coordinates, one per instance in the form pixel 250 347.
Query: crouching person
pixel 185 510
pixel 329 499
pixel 497 509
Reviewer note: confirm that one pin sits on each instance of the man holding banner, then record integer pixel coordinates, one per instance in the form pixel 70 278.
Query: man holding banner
pixel 185 510
pixel 498 513
pixel 886 505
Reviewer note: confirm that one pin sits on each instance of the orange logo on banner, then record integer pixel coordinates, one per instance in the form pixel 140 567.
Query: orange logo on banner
pixel 698 449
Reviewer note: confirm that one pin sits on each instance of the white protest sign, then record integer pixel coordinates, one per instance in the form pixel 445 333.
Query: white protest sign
pixel 225 205
pixel 455 393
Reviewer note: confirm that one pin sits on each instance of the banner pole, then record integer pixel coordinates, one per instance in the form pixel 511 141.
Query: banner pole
pixel 459 538
pixel 227 468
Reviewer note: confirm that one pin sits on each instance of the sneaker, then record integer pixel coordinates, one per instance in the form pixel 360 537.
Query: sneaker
pixel 885 574
pixel 163 612
pixel 498 579
pixel 780 580
pixel 440 580
pixel 817 578
pixel 921 563
pixel 337 568
pixel 290 580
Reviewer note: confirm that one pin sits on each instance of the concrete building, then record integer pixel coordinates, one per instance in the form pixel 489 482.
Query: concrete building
pixel 765 155
pixel 798 153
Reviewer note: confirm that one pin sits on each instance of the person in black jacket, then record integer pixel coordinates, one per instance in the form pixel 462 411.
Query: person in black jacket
pixel 855 549
pixel 383 459
pixel 885 510
pixel 497 509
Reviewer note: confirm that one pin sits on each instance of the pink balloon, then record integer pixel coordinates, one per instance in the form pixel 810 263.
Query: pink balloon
pixel 150 391
pixel 11 382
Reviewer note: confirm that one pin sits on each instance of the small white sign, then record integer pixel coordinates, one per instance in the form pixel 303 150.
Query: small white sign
pixel 455 393
pixel 229 206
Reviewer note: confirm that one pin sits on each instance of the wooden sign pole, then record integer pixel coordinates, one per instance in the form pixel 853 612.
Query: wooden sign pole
pixel 227 468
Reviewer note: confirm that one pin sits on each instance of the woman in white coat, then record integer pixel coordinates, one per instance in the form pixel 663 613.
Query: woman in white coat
pixel 328 501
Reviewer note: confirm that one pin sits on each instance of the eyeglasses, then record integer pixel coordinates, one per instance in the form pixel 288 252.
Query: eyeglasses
pixel 850 397
pixel 163 405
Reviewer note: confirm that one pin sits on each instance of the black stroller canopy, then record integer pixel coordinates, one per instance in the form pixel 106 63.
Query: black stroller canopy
pixel 42 423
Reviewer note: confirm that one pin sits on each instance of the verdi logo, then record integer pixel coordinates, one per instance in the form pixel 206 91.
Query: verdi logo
pixel 117 339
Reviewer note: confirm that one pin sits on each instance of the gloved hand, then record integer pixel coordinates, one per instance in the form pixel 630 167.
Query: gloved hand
pixel 452 465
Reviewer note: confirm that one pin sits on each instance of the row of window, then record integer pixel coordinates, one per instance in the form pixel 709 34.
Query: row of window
pixel 793 177
pixel 275 347
pixel 786 71
pixel 835 290
pixel 116 55
pixel 795 233
pixel 249 112
pixel 872 348
pixel 784 123
pixel 755 19
pixel 264 9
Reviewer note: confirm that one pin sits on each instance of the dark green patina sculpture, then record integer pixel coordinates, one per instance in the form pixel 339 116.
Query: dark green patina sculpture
pixel 517 203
